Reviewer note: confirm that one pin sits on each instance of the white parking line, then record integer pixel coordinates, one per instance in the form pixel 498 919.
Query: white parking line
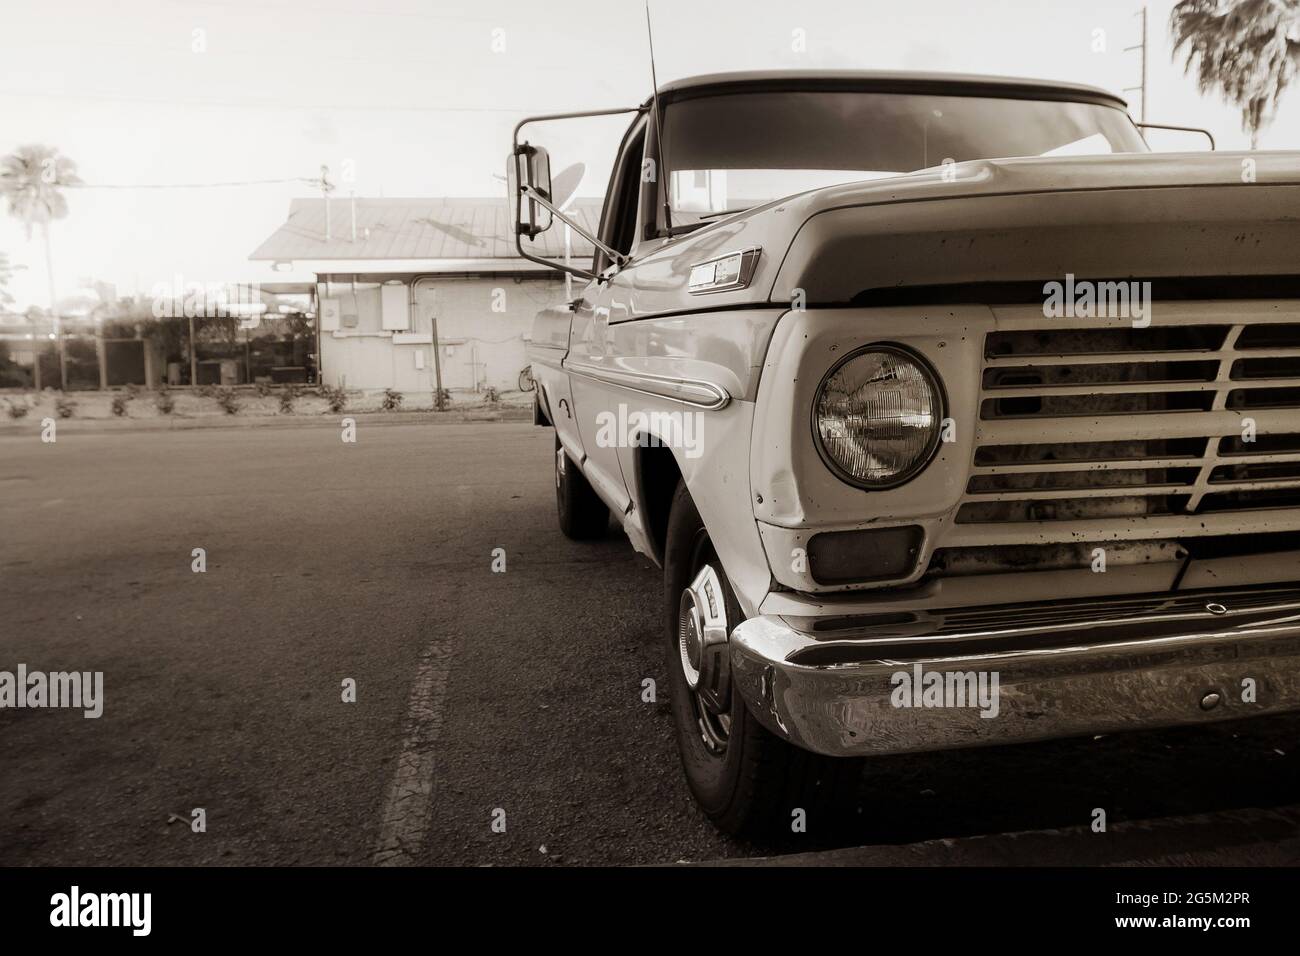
pixel 408 809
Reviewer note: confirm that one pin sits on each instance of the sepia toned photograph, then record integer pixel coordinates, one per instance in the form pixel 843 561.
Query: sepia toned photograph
pixel 662 436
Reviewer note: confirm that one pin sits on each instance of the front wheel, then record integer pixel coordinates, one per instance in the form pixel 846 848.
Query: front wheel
pixel 747 780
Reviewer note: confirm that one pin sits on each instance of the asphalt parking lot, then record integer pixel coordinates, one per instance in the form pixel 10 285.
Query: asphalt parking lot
pixel 482 697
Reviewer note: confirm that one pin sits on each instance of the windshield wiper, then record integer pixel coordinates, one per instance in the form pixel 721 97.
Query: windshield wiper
pixel 682 228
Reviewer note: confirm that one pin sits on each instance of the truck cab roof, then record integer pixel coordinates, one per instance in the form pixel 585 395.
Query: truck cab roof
pixel 946 84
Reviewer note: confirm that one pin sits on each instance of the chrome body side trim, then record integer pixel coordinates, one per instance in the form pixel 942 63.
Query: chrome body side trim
pixel 704 395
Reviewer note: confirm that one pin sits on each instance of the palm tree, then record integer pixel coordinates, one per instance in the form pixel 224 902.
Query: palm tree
pixel 32 179
pixel 1248 49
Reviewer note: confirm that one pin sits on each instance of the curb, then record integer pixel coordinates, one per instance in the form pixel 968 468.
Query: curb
pixel 1248 837
pixel 91 425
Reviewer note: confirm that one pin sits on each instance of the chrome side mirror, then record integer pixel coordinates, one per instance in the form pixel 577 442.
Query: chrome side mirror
pixel 528 175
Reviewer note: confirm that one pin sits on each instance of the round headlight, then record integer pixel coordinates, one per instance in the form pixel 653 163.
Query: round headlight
pixel 877 416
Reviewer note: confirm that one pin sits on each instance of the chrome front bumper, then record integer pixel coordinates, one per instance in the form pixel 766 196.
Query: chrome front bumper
pixel 831 685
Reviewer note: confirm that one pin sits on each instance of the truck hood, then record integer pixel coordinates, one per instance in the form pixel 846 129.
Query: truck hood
pixel 998 221
pixel 986 177
pixel 993 222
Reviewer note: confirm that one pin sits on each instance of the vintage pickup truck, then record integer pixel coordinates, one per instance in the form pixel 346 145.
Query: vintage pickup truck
pixel 953 414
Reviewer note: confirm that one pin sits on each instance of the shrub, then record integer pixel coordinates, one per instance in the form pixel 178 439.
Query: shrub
pixel 264 390
pixel 64 407
pixel 441 399
pixel 491 396
pixel 288 396
pixel 335 396
pixel 132 391
pixel 228 400
pixel 17 409
pixel 206 391
pixel 391 401
pixel 164 401
pixel 119 404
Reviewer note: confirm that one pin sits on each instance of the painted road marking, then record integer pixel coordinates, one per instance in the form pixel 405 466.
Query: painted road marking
pixel 409 807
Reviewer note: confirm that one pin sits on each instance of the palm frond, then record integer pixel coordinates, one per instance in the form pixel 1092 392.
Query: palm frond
pixel 1249 50
pixel 32 180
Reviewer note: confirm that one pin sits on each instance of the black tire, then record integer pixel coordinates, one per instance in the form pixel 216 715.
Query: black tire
pixel 752 787
pixel 583 516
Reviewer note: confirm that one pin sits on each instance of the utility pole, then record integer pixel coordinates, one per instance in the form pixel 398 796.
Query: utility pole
pixel 194 355
pixel 438 402
pixel 1142 108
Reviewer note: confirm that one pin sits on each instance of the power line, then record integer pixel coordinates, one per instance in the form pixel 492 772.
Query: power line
pixel 260 6
pixel 254 105
pixel 247 182
pixel 153 50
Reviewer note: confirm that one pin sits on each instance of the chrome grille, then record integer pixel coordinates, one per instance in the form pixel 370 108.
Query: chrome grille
pixel 1109 432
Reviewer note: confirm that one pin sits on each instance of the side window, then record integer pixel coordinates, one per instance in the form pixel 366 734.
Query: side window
pixel 618 221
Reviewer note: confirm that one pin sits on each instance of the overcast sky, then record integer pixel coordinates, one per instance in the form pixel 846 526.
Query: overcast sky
pixel 418 97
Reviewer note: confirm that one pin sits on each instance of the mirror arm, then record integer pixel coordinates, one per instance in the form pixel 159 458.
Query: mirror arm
pixel 1182 129
pixel 550 263
pixel 617 257
pixel 519 243
pixel 564 116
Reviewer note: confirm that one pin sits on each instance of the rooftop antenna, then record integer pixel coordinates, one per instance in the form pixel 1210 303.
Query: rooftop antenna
pixel 1142 87
pixel 326 187
pixel 660 172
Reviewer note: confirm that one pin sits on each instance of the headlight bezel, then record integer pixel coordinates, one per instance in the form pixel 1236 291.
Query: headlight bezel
pixel 925 458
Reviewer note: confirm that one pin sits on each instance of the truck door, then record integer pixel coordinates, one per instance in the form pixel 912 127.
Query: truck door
pixel 549 346
pixel 596 402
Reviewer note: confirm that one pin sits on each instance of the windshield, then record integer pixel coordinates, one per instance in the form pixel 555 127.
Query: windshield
pixel 728 152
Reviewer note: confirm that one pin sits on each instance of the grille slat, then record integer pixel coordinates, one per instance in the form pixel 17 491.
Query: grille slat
pixel 1137 358
pixel 1064 494
pixel 1100 466
pixel 1134 527
pixel 1120 428
pixel 1141 388
pixel 1255 484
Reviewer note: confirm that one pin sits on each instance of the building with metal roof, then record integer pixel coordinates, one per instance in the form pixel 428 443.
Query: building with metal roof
pixel 415 294
pixel 413 235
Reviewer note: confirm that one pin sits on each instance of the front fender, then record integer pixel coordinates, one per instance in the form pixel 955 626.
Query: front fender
pixel 710 446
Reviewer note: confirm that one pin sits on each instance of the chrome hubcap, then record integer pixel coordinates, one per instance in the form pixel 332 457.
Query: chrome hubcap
pixel 702 640
pixel 689 640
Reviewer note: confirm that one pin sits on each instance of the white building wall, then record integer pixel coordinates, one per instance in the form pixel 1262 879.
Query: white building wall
pixel 483 323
